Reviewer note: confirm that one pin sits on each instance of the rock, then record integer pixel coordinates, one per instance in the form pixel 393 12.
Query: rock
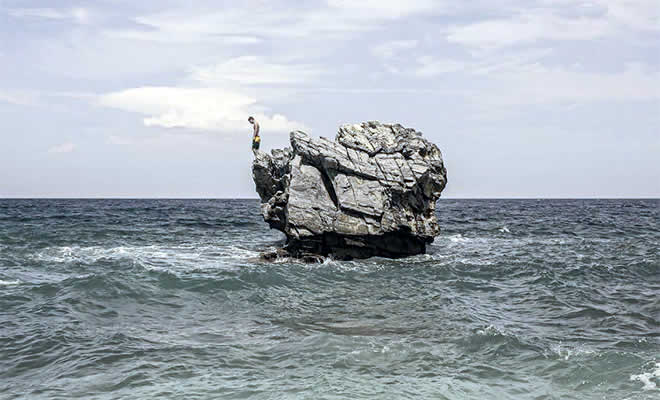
pixel 280 254
pixel 371 192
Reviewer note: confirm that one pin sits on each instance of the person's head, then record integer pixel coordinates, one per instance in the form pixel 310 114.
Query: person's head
pixel 251 120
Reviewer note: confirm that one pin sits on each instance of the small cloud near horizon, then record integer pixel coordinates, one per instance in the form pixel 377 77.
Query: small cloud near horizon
pixel 62 148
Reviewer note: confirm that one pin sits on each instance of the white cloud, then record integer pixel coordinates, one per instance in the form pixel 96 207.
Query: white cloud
pixel 202 25
pixel 385 8
pixel 538 84
pixel 513 60
pixel 40 98
pixel 252 22
pixel 521 78
pixel 81 15
pixel 559 20
pixel 527 28
pixel 167 36
pixel 207 109
pixel 506 61
pixel 20 98
pixel 220 105
pixel 431 66
pixel 480 64
pixel 637 14
pixel 391 48
pixel 48 13
pixel 515 82
pixel 119 140
pixel 63 148
pixel 253 70
pixel 78 14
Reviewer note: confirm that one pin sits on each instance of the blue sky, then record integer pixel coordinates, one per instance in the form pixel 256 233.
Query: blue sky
pixel 526 98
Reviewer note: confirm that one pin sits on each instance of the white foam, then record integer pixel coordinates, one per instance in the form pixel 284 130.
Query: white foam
pixel 648 378
pixel 239 252
pixel 329 262
pixel 491 330
pixel 189 256
pixel 566 352
pixel 64 254
pixel 458 238
pixel 504 229
pixel 9 283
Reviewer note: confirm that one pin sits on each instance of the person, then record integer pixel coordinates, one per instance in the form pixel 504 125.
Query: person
pixel 256 139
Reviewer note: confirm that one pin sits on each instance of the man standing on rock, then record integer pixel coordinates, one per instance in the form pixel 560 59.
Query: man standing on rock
pixel 256 139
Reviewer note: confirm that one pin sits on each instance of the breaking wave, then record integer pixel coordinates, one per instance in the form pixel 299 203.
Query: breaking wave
pixel 649 379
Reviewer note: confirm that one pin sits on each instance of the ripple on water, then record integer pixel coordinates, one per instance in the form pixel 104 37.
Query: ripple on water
pixel 167 299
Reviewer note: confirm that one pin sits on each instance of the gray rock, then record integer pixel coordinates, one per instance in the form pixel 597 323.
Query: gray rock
pixel 371 192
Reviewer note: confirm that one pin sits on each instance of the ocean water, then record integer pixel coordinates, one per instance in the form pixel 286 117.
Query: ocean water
pixel 167 299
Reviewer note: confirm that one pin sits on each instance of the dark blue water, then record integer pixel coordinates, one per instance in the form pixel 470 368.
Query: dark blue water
pixel 167 299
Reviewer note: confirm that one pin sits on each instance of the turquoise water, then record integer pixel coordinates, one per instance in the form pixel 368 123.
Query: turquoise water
pixel 167 299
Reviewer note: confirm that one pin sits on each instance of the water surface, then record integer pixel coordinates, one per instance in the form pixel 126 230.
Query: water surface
pixel 517 299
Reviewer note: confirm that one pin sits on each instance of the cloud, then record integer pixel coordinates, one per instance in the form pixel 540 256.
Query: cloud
pixel 62 148
pixel 220 103
pixel 635 14
pixel 253 70
pixel 385 8
pixel 20 98
pixel 253 22
pixel 391 48
pixel 526 55
pixel 512 83
pixel 167 36
pixel 48 13
pixel 527 28
pixel 537 84
pixel 40 98
pixel 431 66
pixel 184 25
pixel 119 140
pixel 519 78
pixel 559 20
pixel 479 64
pixel 207 109
pixel 78 14
pixel 81 15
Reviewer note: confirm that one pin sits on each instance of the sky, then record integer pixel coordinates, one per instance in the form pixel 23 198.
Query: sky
pixel 150 98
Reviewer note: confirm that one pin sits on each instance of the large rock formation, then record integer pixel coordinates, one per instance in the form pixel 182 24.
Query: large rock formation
pixel 371 192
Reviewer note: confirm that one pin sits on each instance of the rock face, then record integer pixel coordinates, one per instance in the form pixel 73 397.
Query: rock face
pixel 371 192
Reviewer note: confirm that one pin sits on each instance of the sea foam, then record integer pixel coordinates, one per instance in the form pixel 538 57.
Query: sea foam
pixel 648 378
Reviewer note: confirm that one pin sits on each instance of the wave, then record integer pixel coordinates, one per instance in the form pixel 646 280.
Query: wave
pixel 492 339
pixel 648 378
pixel 195 256
pixel 458 238
pixel 511 241
pixel 9 283
pixel 567 352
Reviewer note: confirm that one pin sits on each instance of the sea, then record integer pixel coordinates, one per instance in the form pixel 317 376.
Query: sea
pixel 168 299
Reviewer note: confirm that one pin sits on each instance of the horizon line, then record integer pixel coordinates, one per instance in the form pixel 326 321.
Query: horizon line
pixel 256 198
